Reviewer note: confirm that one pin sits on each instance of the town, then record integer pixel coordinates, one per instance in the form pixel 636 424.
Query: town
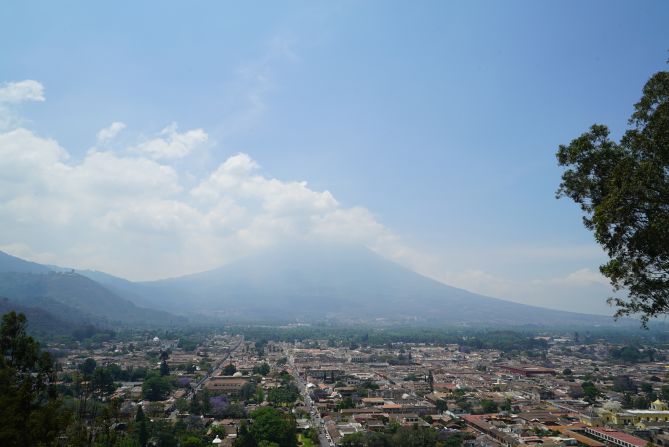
pixel 231 389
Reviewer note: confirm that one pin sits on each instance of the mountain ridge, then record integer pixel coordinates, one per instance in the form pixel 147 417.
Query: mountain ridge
pixel 70 296
pixel 339 283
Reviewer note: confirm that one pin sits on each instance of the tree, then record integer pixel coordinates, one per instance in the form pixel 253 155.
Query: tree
pixel 156 388
pixel 270 424
pixel 142 432
pixel 30 410
pixel 206 402
pixel 195 407
pixel 244 437
pixel 262 369
pixel 414 437
pixel 627 401
pixel 624 384
pixel 229 369
pixel 354 440
pixel 164 368
pixel 489 406
pixel 88 367
pixel 623 190
pixel 345 403
pixel 102 381
pixel 191 441
pixel 590 391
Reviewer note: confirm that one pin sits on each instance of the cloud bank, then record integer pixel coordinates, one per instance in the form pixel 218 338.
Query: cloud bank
pixel 22 91
pixel 130 211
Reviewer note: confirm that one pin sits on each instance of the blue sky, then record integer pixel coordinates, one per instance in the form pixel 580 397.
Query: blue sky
pixel 439 119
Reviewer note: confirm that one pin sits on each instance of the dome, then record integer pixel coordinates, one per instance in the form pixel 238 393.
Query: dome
pixel 237 374
pixel 658 405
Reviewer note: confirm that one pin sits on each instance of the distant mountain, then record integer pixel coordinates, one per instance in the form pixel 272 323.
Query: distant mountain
pixel 40 321
pixel 9 263
pixel 341 283
pixel 70 297
pixel 299 282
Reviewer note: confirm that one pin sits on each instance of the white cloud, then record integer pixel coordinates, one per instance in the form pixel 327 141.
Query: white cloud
pixel 14 93
pixel 134 216
pixel 108 133
pixel 172 144
pixel 584 276
pixel 21 91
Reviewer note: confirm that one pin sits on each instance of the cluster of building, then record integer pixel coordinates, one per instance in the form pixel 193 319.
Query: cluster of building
pixel 484 397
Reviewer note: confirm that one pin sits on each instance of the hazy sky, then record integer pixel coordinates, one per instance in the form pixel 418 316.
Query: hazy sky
pixel 151 139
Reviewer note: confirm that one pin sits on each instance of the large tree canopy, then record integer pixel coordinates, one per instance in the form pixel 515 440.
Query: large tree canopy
pixel 30 409
pixel 623 189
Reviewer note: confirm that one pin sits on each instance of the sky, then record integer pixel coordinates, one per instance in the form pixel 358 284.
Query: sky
pixel 154 139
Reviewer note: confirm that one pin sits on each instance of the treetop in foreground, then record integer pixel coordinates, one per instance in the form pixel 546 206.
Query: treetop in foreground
pixel 623 189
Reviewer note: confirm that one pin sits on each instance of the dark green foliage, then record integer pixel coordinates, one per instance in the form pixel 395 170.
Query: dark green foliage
pixel 206 402
pixel 30 410
pixel 627 401
pixel 488 406
pixel 262 369
pixel 90 331
pixel 345 404
pixel 142 432
pixel 191 441
pixel 312 435
pixel 156 388
pixel 195 407
pixel 633 354
pixel 285 394
pixel 623 190
pixel 102 382
pixel 244 437
pixel 164 368
pixel 41 321
pixel 402 437
pixel 664 393
pixel 129 374
pixel 641 402
pixel 624 384
pixel 590 391
pixel 87 367
pixel 247 391
pixel 139 416
pixel 187 345
pixel 270 424
pixel 229 369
